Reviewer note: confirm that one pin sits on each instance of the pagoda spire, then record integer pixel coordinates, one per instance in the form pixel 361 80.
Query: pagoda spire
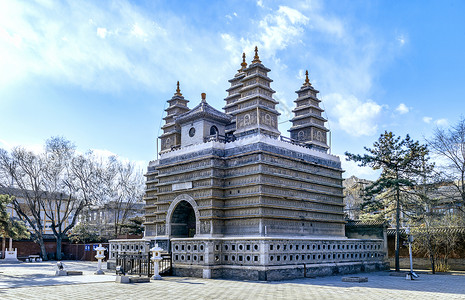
pixel 243 64
pixel 256 59
pixel 307 82
pixel 178 90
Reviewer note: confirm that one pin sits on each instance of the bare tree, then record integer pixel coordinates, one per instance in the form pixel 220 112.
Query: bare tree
pixel 26 171
pixel 450 145
pixel 122 188
pixel 53 187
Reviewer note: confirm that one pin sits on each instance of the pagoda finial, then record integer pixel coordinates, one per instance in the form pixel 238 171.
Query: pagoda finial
pixel 256 59
pixel 204 98
pixel 307 82
pixel 243 64
pixel 178 91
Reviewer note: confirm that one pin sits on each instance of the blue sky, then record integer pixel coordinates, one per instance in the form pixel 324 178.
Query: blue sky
pixel 99 72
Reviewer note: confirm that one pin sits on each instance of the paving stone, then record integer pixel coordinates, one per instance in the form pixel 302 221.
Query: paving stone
pixel 37 282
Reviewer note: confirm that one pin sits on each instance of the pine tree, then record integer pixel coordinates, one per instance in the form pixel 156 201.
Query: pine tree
pixel 10 228
pixel 401 161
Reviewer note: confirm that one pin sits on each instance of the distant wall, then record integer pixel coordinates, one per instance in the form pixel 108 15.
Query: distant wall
pixel 70 251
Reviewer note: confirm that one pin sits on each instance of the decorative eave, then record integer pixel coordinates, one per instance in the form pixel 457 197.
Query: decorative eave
pixel 247 98
pixel 234 87
pixel 297 127
pixel 233 96
pixel 253 75
pixel 252 107
pixel 203 111
pixel 177 106
pixel 255 85
pixel 170 133
pixel 307 88
pixel 178 98
pixel 306 107
pixel 310 116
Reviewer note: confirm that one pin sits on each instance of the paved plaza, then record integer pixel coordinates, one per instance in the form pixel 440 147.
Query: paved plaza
pixel 37 281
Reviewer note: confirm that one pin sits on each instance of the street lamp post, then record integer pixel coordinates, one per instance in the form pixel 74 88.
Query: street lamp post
pixel 411 275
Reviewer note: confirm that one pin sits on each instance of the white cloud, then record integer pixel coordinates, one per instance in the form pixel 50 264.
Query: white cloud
pixel 122 46
pixel 102 32
pixel 139 32
pixel 5 145
pixel 402 109
pixel 401 39
pixel 438 122
pixel 355 117
pixel 427 120
pixel 104 154
pixel 281 28
pixel 105 48
pixel 442 122
pixel 8 146
pixel 230 17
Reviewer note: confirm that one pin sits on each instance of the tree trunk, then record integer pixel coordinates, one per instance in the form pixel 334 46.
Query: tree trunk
pixel 433 267
pixel 40 241
pixel 59 238
pixel 397 228
pixel 3 246
pixel 431 253
pixel 431 256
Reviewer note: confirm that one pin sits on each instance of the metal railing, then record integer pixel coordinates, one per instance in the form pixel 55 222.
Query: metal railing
pixel 141 265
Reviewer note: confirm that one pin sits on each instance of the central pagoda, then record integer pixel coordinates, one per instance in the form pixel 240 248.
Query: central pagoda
pixel 230 197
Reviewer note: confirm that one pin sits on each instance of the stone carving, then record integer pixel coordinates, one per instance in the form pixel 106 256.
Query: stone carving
pixel 204 227
pixel 161 229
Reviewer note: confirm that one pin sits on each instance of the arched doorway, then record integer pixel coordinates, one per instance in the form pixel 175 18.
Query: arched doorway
pixel 183 223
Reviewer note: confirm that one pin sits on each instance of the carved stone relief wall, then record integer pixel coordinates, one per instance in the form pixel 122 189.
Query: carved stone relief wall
pixel 246 119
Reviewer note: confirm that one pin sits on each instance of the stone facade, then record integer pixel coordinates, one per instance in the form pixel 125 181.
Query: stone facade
pixel 236 199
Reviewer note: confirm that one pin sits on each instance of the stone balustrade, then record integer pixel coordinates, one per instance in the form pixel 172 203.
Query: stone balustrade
pixel 274 251
pixel 128 246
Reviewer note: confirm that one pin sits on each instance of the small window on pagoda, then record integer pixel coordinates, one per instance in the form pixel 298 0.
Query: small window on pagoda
pixel 319 137
pixel 192 132
pixel 300 135
pixel 213 130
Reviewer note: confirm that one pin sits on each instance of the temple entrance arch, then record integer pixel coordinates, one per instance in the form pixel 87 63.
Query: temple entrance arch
pixel 182 219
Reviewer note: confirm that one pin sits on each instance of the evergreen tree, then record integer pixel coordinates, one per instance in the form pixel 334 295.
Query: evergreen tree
pixel 10 228
pixel 401 161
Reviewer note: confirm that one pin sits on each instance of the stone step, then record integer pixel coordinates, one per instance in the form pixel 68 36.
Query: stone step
pixel 139 279
pixel 355 279
pixel 71 273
